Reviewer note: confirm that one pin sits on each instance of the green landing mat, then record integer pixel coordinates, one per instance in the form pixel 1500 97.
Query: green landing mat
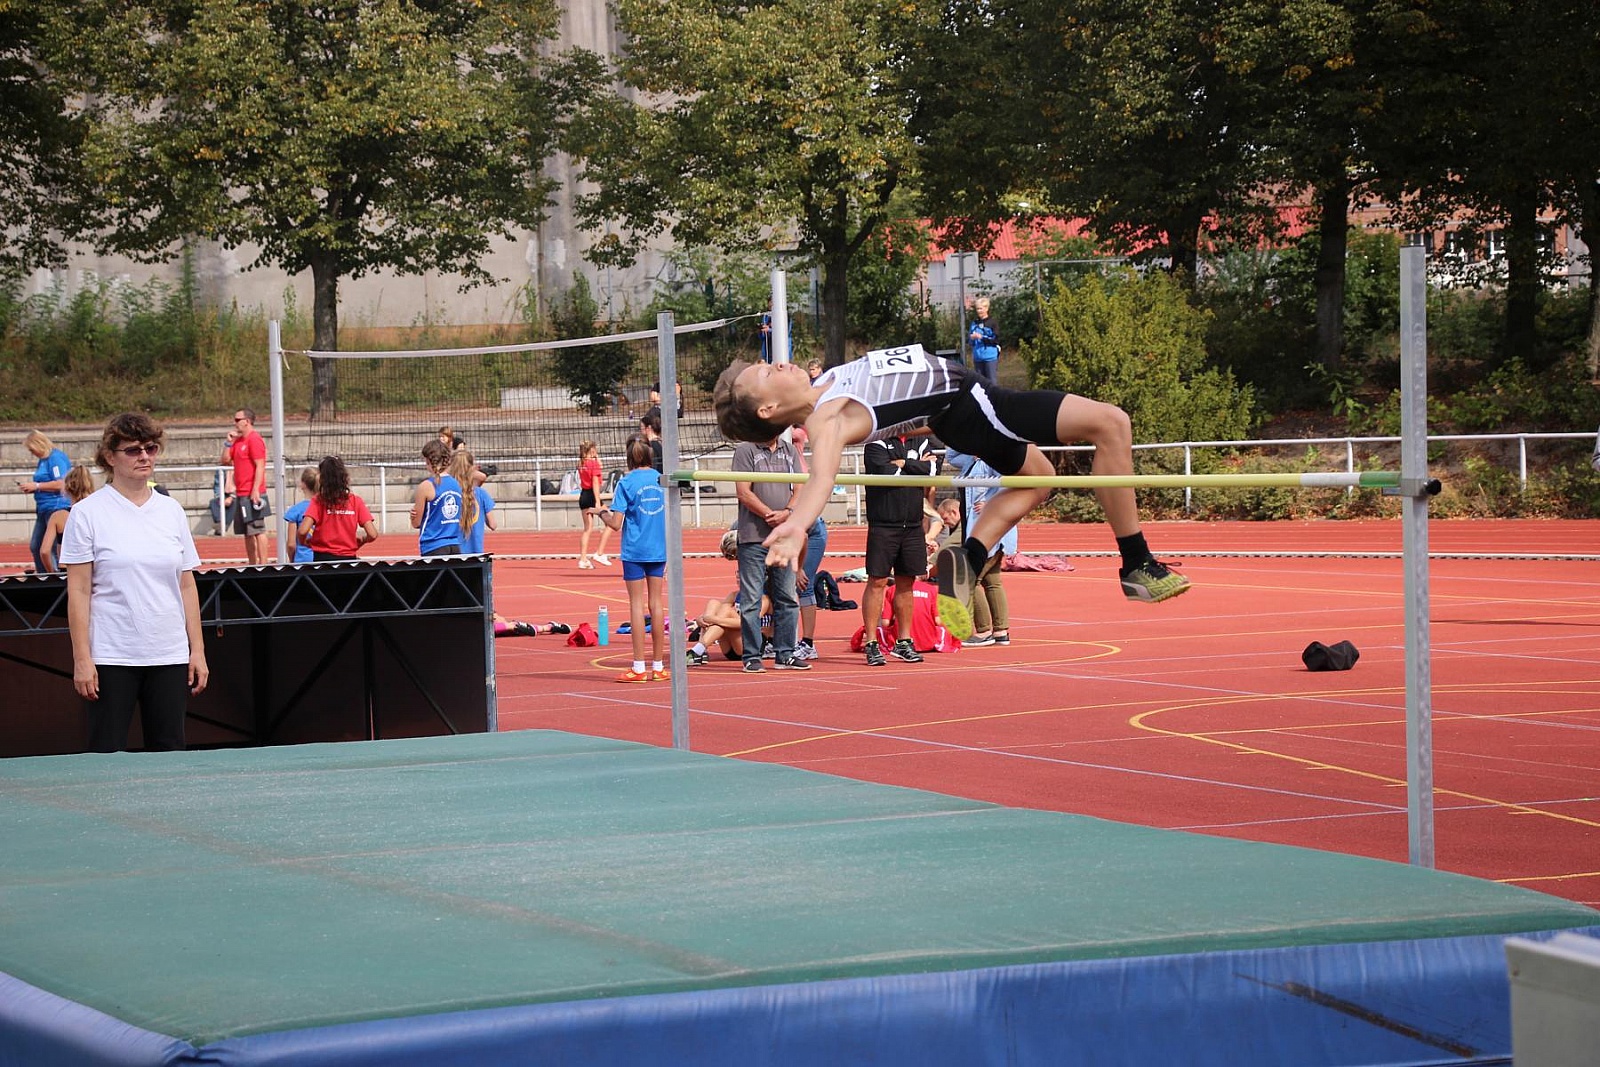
pixel 213 894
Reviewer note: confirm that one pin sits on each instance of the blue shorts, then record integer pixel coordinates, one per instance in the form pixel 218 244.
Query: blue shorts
pixel 633 572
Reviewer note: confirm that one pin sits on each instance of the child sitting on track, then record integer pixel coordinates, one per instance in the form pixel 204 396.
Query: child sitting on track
pixel 720 625
pixel 905 391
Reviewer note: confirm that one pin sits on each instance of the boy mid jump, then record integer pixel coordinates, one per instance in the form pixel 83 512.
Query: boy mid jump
pixel 905 391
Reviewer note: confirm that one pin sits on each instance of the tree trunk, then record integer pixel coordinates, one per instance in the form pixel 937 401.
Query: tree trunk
pixel 1183 243
pixel 835 290
pixel 1333 229
pixel 1522 272
pixel 325 335
pixel 1591 238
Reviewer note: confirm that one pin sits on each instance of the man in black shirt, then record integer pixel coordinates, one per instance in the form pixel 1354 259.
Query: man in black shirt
pixel 895 545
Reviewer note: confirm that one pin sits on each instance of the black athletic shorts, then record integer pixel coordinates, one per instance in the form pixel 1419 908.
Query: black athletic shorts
pixel 586 499
pixel 997 424
pixel 896 550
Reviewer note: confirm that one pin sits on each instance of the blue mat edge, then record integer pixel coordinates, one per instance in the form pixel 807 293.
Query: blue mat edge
pixel 1430 1001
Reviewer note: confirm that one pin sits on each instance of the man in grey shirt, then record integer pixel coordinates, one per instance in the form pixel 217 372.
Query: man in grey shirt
pixel 763 505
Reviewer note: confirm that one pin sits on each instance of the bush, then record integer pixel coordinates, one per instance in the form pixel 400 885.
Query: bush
pixel 110 347
pixel 1514 397
pixel 1136 342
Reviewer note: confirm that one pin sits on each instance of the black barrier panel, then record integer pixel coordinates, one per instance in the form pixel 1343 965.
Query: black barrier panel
pixel 315 652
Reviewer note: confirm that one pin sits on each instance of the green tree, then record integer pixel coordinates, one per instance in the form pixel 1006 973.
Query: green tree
pixel 591 373
pixel 39 136
pixel 1121 112
pixel 1315 82
pixel 767 124
pixel 701 284
pixel 336 136
pixel 883 307
pixel 1135 341
pixel 1481 119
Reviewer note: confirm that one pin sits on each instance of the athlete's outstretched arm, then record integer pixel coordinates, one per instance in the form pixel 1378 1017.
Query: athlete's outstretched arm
pixel 829 430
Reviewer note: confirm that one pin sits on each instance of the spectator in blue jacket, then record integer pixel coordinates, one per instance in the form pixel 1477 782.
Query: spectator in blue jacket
pixel 985 341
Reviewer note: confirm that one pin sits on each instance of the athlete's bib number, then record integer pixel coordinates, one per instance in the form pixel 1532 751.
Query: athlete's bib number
pixel 907 360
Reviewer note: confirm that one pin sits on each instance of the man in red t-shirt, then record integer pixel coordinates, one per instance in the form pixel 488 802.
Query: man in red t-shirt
pixel 246 452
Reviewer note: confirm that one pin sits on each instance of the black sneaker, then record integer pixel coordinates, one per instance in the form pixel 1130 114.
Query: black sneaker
pixel 790 664
pixel 955 592
pixel 560 628
pixel 874 654
pixel 1002 639
pixel 695 659
pixel 905 651
pixel 753 666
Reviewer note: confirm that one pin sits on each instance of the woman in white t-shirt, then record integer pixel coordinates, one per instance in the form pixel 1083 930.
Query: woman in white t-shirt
pixel 132 605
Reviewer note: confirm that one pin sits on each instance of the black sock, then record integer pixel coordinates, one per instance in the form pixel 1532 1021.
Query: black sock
pixel 1134 551
pixel 977 553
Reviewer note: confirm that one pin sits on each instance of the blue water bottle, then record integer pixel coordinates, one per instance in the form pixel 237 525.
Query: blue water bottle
pixel 603 626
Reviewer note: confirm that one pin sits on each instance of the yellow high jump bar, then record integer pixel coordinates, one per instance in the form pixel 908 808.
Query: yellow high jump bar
pixel 1312 480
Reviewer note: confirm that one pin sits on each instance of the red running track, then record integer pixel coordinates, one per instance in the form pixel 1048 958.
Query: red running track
pixel 1196 714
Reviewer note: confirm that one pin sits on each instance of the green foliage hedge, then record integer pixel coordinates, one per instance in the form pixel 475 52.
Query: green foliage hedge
pixel 1136 341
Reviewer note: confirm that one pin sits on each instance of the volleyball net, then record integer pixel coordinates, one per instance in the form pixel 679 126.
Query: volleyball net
pixel 507 402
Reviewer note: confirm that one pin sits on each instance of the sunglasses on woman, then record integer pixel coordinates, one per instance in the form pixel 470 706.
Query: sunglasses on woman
pixel 135 451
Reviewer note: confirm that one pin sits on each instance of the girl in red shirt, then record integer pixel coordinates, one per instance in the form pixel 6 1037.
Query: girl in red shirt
pixel 337 521
pixel 590 478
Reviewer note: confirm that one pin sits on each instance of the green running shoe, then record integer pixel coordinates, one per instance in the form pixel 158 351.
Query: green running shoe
pixel 955 592
pixel 1153 582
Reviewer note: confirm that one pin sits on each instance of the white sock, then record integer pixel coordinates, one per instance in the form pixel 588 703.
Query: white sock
pixel 638 666
pixel 658 666
pixel 699 648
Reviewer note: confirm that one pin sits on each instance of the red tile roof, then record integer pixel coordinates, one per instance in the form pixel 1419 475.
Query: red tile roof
pixel 1017 239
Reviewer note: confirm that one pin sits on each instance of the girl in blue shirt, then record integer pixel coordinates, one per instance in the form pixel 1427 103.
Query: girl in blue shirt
pixel 438 508
pixel 308 489
pixel 639 510
pixel 49 492
pixel 483 519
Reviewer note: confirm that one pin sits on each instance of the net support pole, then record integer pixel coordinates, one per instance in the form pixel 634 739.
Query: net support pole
pixel 667 358
pixel 780 316
pixel 279 482
pixel 1413 478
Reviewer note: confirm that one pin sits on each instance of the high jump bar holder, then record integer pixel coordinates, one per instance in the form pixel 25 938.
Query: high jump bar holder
pixel 1411 482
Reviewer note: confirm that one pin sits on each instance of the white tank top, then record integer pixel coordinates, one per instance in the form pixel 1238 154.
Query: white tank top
pixel 902 388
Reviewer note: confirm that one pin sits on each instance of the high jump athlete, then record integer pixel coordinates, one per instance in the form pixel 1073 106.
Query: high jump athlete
pixel 905 391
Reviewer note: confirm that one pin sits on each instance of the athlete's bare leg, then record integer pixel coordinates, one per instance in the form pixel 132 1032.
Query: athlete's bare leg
pixel 1105 426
